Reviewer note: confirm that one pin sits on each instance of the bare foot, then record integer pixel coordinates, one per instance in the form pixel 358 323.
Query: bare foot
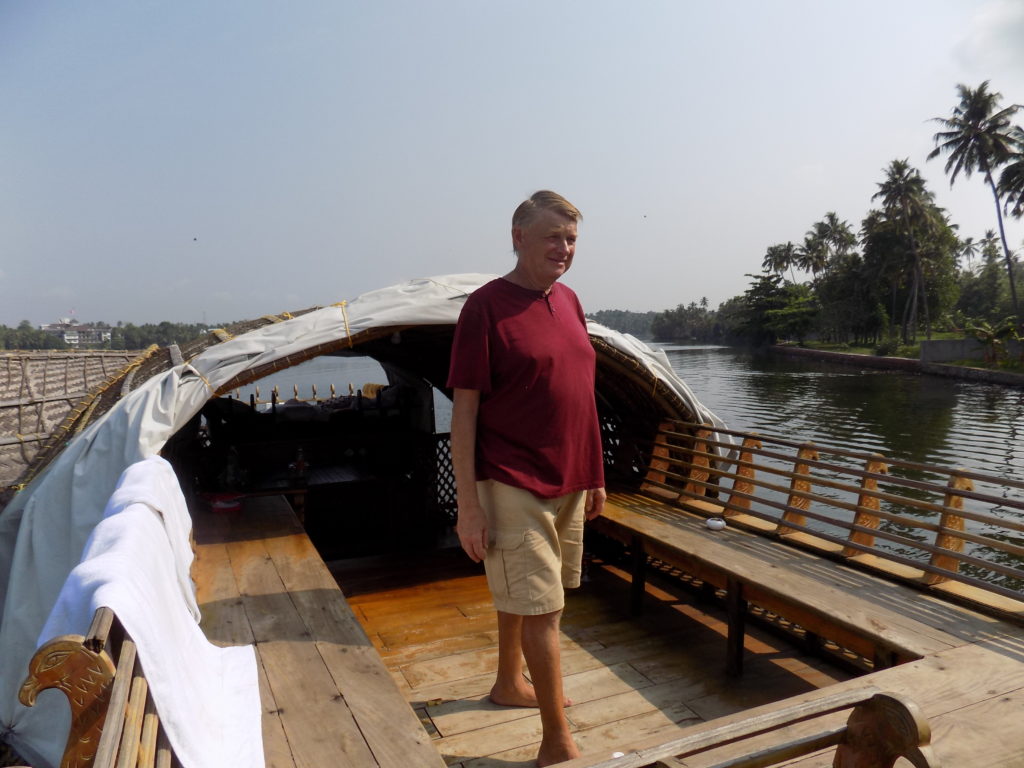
pixel 518 695
pixel 556 750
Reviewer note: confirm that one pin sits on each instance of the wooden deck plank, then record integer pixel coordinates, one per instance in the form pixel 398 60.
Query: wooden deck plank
pixel 392 729
pixel 327 696
pixel 302 686
pixel 415 649
pixel 473 713
pixel 225 623
pixel 600 742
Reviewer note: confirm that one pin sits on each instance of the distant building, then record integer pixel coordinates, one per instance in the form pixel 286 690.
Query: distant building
pixel 75 335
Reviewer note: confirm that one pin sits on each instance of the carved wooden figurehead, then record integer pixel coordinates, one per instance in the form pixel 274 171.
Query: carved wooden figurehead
pixel 86 678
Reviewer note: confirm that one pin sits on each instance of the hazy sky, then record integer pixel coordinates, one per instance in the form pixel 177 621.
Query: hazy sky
pixel 220 160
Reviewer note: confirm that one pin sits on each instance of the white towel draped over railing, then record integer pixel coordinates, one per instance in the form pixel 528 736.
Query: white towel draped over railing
pixel 137 563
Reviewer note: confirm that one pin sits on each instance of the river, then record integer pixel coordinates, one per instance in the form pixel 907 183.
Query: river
pixel 912 417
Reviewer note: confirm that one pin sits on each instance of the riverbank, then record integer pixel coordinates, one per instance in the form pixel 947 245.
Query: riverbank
pixel 904 364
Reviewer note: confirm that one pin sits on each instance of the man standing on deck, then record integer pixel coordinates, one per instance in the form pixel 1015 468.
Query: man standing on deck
pixel 526 449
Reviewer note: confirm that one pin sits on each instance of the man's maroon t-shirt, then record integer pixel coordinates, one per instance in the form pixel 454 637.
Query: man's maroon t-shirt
pixel 530 357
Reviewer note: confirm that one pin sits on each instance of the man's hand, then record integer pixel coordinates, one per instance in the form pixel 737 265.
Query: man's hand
pixel 594 505
pixel 472 530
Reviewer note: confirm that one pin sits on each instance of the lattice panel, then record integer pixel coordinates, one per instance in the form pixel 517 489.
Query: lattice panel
pixel 444 481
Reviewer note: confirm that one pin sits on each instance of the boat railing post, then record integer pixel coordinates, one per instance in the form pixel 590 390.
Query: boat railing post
pixel 949 524
pixel 868 506
pixel 797 503
pixel 700 464
pixel 654 480
pixel 744 484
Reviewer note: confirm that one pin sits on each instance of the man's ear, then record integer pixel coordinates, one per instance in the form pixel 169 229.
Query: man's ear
pixel 517 238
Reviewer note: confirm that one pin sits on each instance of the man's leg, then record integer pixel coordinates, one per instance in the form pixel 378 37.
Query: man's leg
pixel 543 656
pixel 511 689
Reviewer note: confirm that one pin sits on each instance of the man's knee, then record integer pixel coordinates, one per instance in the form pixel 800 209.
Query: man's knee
pixel 542 620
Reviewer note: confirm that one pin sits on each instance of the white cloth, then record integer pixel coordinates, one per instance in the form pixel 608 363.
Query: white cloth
pixel 208 697
pixel 152 482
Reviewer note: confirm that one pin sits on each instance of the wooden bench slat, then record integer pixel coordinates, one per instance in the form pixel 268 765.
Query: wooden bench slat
pixel 106 752
pixel 128 752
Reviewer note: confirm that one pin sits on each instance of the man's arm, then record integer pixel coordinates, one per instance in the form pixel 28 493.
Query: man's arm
pixel 595 503
pixel 472 523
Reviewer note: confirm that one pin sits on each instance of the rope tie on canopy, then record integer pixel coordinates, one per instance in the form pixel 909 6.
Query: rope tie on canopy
pixel 344 315
pixel 206 381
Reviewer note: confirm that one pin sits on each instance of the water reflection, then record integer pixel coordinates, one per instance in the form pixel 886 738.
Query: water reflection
pixel 919 418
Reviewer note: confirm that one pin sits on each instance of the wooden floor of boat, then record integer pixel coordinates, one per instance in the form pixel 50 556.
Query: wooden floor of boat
pixel 432 620
pixel 328 699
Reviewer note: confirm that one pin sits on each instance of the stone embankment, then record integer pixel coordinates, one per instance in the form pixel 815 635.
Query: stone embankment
pixel 906 364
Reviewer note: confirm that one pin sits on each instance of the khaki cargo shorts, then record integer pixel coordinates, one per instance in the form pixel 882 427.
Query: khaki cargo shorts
pixel 535 547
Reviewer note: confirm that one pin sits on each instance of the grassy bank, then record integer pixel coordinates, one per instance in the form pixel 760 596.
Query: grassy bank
pixel 913 352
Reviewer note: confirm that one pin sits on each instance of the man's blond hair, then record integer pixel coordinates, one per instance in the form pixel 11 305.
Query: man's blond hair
pixel 543 200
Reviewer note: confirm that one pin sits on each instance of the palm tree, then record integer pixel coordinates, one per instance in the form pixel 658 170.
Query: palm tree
pixel 778 258
pixel 908 203
pixel 968 250
pixel 978 138
pixel 1011 181
pixel 824 242
pixel 812 256
pixel 837 234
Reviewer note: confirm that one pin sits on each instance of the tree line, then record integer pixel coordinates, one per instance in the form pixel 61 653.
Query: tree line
pixel 905 270
pixel 122 336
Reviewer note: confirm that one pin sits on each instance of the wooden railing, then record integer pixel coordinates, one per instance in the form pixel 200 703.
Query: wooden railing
pixel 114 721
pixel 882 728
pixel 951 530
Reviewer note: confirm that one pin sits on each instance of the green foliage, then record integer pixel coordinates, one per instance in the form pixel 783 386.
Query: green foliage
pixel 131 336
pixel 694 322
pixel 636 323
pixel 994 337
pixel 123 336
pixel 888 347
pixel 25 336
pixel 797 314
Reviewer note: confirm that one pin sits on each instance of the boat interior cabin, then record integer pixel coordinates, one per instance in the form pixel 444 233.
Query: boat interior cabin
pixel 366 463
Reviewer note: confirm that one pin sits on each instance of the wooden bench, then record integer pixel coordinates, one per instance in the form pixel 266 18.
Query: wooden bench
pixel 953 532
pixel 880 729
pixel 876 618
pixel 113 719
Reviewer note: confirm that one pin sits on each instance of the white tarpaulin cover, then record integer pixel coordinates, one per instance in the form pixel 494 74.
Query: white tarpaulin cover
pixel 44 528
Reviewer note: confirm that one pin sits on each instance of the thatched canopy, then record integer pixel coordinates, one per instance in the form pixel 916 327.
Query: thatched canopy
pixel 38 391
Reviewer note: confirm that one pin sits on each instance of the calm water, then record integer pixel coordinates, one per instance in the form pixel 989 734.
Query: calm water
pixel 926 419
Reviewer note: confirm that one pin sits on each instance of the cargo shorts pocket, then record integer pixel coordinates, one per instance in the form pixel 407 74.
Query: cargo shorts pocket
pixel 519 567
